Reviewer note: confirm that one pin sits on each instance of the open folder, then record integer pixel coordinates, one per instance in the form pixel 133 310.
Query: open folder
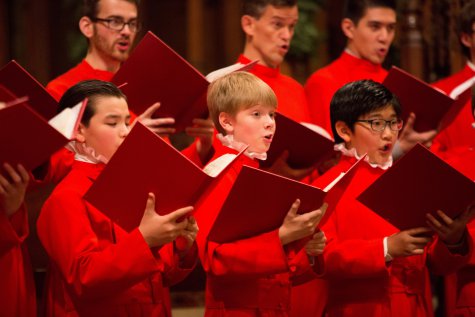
pixel 145 163
pixel 154 72
pixel 259 201
pixel 16 82
pixel 432 107
pixel 306 147
pixel 27 138
pixel 417 184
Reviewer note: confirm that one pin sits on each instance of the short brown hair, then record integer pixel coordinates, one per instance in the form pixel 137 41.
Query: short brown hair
pixel 237 91
pixel 255 8
pixel 91 7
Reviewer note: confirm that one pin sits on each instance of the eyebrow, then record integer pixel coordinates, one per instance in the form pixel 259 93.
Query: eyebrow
pixel 116 116
pixel 118 17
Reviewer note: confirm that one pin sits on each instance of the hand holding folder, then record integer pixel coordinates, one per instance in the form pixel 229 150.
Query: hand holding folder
pixel 27 138
pixel 16 82
pixel 259 202
pixel 144 163
pixel 417 184
pixel 434 110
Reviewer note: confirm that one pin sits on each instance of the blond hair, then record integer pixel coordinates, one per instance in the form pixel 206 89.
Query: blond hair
pixel 237 91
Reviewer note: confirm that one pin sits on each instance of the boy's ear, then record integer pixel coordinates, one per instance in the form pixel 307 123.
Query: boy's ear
pixel 225 120
pixel 86 26
pixel 343 131
pixel 348 28
pixel 247 25
pixel 80 137
pixel 466 40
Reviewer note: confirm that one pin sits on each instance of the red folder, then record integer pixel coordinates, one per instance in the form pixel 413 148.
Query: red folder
pixel 16 82
pixel 259 201
pixel 306 147
pixel 417 184
pixel 156 73
pixel 430 105
pixel 145 163
pixel 26 137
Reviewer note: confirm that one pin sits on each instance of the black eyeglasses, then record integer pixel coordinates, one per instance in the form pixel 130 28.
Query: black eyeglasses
pixel 379 125
pixel 118 24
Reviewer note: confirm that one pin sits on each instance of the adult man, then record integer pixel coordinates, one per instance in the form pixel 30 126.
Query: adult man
pixel 369 26
pixel 269 27
pixel 110 27
pixel 460 135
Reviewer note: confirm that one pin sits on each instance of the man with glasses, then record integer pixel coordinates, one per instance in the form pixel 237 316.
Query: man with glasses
pixel 110 27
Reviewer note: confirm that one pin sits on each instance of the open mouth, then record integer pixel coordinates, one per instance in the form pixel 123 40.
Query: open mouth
pixel 268 137
pixel 386 148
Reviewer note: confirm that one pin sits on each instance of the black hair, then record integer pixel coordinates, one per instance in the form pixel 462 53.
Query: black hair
pixel 90 89
pixel 356 9
pixel 465 24
pixel 358 98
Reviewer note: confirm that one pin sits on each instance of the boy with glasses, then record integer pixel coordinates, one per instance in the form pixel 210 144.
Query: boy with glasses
pixel 370 27
pixel 371 268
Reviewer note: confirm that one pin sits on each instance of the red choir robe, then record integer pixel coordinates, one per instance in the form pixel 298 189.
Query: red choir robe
pixel 17 288
pixel 249 277
pixel 460 133
pixel 322 85
pixel 460 287
pixel 290 94
pixel 96 268
pixel 360 281
pixel 82 71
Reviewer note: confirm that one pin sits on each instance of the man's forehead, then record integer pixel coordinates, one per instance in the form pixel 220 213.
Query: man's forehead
pixel 281 12
pixel 379 15
pixel 122 8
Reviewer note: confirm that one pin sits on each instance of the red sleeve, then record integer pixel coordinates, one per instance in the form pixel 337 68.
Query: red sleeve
pixel 442 262
pixel 319 92
pixel 353 258
pixel 176 268
pixel 13 230
pixel 91 270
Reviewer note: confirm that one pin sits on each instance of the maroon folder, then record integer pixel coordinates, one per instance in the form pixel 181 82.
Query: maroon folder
pixel 26 137
pixel 156 73
pixel 417 184
pixel 16 82
pixel 430 105
pixel 146 163
pixel 306 147
pixel 259 201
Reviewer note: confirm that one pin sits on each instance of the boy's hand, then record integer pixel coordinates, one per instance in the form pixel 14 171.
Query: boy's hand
pixel 13 188
pixel 159 230
pixel 297 226
pixel 409 242
pixel 451 231
pixel 203 129
pixel 409 137
pixel 316 245
pixel 160 126
pixel 187 237
pixel 281 167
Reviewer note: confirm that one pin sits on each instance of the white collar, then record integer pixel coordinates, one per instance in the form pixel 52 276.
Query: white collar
pixel 84 153
pixel 228 140
pixel 352 153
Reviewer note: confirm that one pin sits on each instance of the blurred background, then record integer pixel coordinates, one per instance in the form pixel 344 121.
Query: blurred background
pixel 43 35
